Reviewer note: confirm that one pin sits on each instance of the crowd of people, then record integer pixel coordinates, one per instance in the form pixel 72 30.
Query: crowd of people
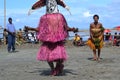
pixel 114 39
pixel 23 36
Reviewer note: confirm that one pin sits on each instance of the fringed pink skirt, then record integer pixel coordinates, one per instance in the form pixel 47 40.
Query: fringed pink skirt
pixel 52 51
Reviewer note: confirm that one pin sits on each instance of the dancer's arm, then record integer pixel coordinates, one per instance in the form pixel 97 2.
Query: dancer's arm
pixel 32 29
pixel 102 32
pixel 72 29
pixel 91 36
pixel 102 29
pixel 12 33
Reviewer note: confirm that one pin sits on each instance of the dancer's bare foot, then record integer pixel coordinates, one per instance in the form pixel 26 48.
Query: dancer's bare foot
pixel 53 73
pixel 95 59
pixel 61 69
pixel 98 59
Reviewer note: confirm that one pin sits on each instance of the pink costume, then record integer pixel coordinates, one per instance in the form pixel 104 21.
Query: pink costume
pixel 52 32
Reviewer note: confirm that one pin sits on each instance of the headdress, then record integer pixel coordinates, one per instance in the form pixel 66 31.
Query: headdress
pixel 49 3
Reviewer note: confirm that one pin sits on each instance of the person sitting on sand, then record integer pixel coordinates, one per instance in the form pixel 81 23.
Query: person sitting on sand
pixel 20 36
pixel 96 37
pixel 76 40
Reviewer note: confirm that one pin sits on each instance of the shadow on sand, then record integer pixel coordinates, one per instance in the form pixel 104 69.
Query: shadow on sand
pixel 103 60
pixel 91 59
pixel 46 72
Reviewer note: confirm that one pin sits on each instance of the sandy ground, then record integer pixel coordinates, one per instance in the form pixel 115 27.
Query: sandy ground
pixel 22 65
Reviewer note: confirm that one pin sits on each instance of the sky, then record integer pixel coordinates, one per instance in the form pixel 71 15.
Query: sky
pixel 82 12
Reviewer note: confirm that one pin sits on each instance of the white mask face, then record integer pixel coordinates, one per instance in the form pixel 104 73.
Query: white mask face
pixel 51 6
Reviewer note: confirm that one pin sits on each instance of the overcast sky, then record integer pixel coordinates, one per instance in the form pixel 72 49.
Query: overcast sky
pixel 82 12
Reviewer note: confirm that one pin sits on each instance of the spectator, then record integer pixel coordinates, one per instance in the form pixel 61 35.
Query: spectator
pixel 107 36
pixel 76 39
pixel 95 42
pixel 110 37
pixel 11 35
pixel 118 40
pixel 115 39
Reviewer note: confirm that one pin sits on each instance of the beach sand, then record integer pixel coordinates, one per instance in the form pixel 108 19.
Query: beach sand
pixel 22 65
